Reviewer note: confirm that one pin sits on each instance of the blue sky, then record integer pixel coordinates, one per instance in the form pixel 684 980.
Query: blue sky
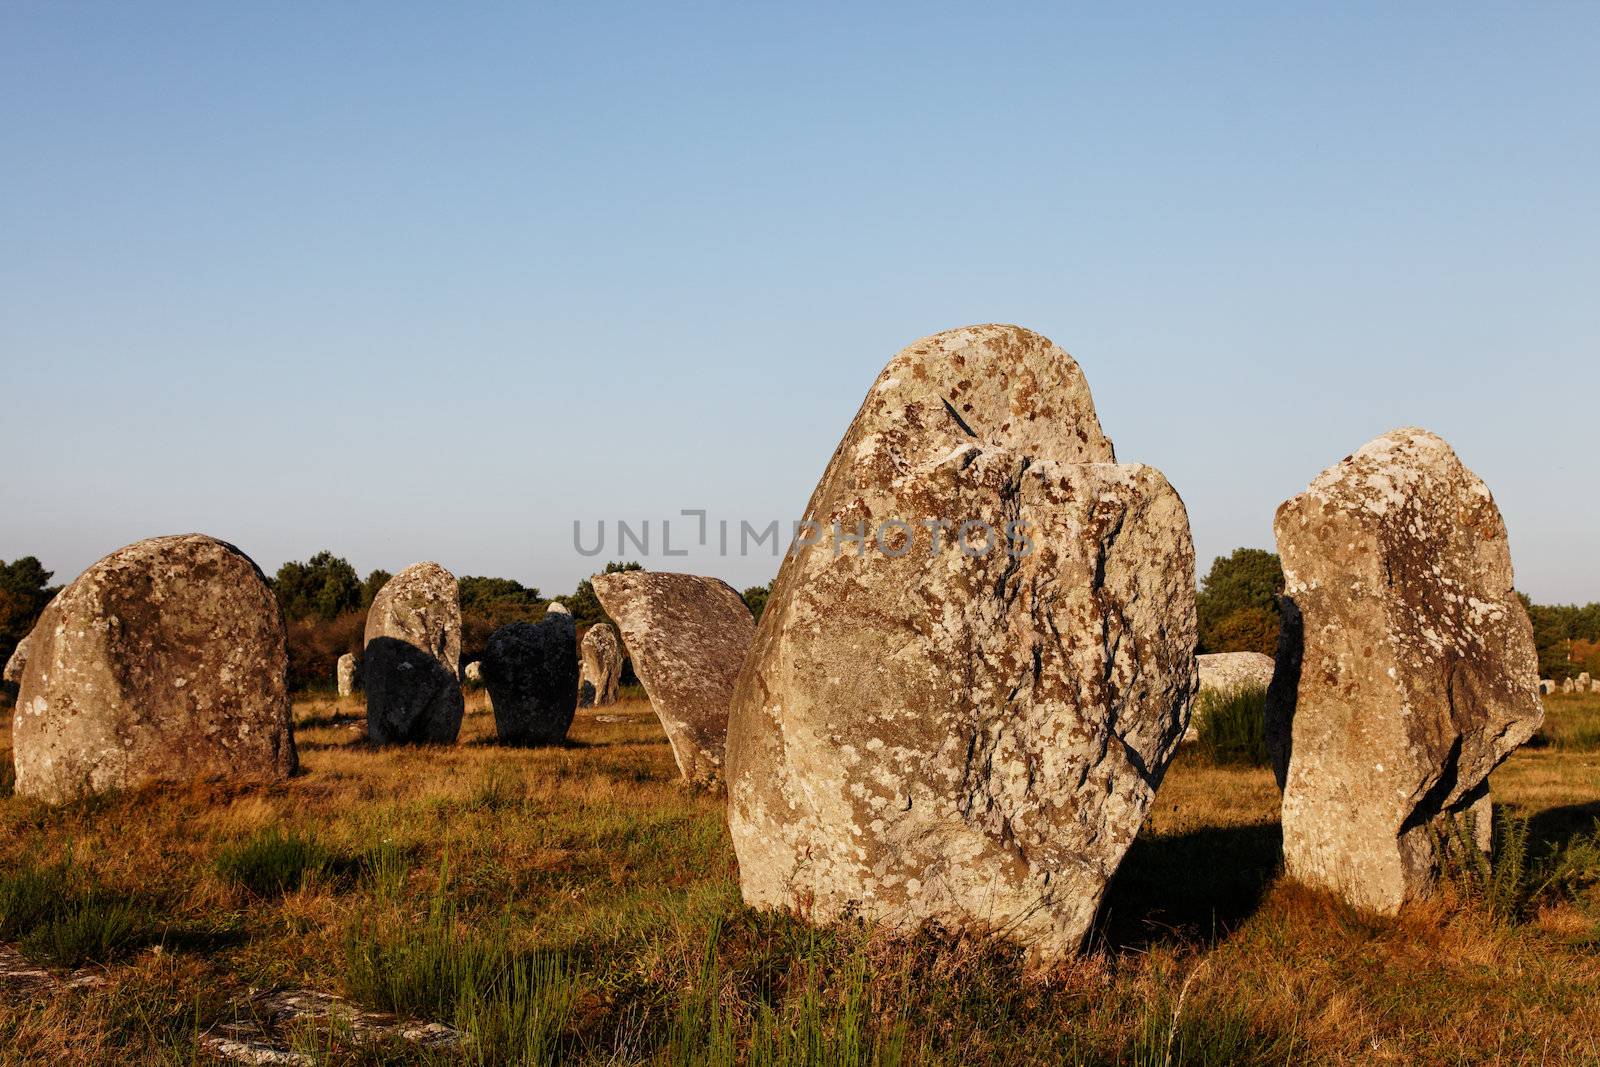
pixel 434 281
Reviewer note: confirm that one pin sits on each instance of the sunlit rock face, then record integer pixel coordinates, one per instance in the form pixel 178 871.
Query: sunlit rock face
pixel 687 636
pixel 600 666
pixel 412 662
pixel 928 730
pixel 165 661
pixel 1407 670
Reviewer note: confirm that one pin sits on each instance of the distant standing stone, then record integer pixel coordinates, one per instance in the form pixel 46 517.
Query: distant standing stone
pixel 1226 671
pixel 1546 686
pixel 15 664
pixel 413 651
pixel 1583 682
pixel 1415 673
pixel 165 661
pixel 473 672
pixel 1566 685
pixel 556 607
pixel 347 674
pixel 600 666
pixel 531 671
pixel 687 636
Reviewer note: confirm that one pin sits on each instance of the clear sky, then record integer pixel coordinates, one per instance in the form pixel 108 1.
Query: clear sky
pixel 417 281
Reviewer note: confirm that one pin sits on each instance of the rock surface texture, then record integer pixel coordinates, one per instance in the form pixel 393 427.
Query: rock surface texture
pixel 347 674
pixel 687 636
pixel 1226 671
pixel 600 666
pixel 15 664
pixel 413 654
pixel 926 731
pixel 531 672
pixel 165 661
pixel 1407 670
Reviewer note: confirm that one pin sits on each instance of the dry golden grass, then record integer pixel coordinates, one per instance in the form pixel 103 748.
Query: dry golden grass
pixel 593 857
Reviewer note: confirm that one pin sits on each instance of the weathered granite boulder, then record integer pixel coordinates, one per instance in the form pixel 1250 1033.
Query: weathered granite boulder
pixel 600 666
pixel 1407 672
pixel 1566 685
pixel 347 674
pixel 687 636
pixel 556 607
pixel 924 730
pixel 531 671
pixel 1226 671
pixel 412 656
pixel 1584 682
pixel 165 661
pixel 1546 686
pixel 473 672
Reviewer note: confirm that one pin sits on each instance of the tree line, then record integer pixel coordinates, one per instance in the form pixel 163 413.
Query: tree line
pixel 325 604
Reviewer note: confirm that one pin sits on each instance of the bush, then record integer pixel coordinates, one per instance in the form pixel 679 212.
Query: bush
pixel 1233 726
pixel 273 862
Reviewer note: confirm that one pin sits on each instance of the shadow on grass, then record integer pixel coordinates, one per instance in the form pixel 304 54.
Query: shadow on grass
pixel 1552 828
pixel 1198 885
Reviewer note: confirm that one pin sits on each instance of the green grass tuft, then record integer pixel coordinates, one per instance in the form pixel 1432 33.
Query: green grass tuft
pixel 274 861
pixel 1232 726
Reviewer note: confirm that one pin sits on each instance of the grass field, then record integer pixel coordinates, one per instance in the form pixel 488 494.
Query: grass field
pixel 577 906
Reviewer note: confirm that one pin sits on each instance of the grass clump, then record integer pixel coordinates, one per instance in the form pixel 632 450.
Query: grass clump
pixel 512 1008
pixel 1232 726
pixel 274 861
pixel 60 916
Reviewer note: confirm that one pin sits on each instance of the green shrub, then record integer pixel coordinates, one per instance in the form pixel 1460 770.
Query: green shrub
pixel 274 861
pixel 1512 881
pixel 1232 726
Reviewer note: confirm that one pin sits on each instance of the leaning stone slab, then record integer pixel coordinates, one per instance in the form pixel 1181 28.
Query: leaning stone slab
pixel 600 661
pixel 413 654
pixel 531 672
pixel 687 636
pixel 966 727
pixel 1408 671
pixel 165 661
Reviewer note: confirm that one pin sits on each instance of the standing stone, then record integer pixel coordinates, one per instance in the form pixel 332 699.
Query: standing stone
pixel 413 654
pixel 347 674
pixel 473 672
pixel 925 730
pixel 687 636
pixel 165 661
pixel 531 671
pixel 1584 680
pixel 15 665
pixel 1566 685
pixel 556 607
pixel 601 666
pixel 1223 672
pixel 1546 686
pixel 1415 674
